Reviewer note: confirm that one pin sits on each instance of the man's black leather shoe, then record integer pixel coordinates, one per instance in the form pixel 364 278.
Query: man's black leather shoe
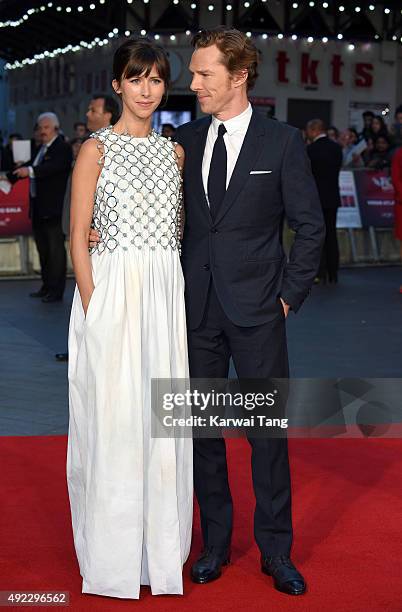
pixel 209 566
pixel 61 356
pixel 39 294
pixel 49 299
pixel 287 578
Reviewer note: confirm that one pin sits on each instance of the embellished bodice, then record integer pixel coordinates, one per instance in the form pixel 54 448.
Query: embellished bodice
pixel 138 197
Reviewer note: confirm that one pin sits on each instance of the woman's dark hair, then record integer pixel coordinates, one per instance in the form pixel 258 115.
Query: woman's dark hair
pixel 354 131
pixel 383 129
pixel 137 57
pixel 384 136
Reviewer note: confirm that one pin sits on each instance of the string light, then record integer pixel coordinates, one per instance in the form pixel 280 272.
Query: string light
pixel 15 23
pixel 115 33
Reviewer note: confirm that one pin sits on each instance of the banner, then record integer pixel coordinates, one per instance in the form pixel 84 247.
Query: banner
pixel 376 198
pixel 348 213
pixel 14 210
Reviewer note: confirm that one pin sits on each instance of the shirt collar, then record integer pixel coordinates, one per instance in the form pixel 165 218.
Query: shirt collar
pixel 49 144
pixel 322 135
pixel 235 124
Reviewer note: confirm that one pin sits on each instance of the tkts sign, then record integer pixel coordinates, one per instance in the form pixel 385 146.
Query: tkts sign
pixel 308 70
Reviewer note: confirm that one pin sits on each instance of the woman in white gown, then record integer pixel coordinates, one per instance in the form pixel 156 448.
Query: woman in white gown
pixel 130 494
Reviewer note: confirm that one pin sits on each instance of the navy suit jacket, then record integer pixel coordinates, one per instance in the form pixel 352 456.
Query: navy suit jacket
pixel 241 248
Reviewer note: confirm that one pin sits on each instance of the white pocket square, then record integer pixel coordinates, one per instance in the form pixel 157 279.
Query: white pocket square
pixel 260 171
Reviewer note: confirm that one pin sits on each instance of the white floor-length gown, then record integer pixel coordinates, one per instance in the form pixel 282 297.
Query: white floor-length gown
pixel 130 494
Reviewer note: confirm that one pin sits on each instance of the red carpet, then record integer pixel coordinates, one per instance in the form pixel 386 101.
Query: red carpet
pixel 347 518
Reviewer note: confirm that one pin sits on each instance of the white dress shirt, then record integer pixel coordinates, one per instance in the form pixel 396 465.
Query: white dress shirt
pixel 236 129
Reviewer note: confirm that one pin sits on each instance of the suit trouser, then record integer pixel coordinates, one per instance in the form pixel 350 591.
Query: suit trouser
pixel 257 352
pixel 330 252
pixel 49 239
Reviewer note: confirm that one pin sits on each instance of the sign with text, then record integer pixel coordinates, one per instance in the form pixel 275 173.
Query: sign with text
pixel 14 210
pixel 376 198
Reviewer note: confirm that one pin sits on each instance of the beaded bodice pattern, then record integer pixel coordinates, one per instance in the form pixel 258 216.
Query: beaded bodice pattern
pixel 138 197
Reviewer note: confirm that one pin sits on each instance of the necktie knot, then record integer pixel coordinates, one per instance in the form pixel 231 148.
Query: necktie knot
pixel 221 130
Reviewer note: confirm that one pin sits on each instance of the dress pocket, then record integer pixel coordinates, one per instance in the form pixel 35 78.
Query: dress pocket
pixel 90 307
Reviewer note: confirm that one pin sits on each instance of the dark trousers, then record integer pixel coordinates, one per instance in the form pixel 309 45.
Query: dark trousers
pixel 49 239
pixel 329 263
pixel 257 352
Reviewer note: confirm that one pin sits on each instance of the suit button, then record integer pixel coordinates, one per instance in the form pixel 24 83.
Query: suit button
pixel 214 230
pixel 206 267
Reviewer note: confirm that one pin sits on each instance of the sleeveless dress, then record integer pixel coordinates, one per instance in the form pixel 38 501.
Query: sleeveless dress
pixel 130 494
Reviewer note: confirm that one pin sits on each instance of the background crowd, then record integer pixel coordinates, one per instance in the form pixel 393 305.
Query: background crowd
pixel 53 154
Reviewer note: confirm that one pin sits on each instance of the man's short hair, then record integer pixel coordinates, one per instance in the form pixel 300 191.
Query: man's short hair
pixel 79 123
pixel 52 117
pixel 317 124
pixel 368 114
pixel 238 51
pixel 110 105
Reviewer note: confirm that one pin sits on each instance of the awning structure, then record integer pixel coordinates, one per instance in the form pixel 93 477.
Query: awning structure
pixel 29 28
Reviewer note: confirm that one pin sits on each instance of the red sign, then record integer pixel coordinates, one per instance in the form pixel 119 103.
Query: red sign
pixel 362 75
pixel 14 210
pixel 376 197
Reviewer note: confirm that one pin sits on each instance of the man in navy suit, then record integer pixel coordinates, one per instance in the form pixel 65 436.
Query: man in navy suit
pixel 242 173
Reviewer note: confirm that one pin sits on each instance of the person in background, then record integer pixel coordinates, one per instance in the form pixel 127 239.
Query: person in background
pixel 48 173
pixel 367 132
pixel 80 130
pixel 168 130
pixel 65 220
pixel 381 156
pixel 6 154
pixel 396 128
pixel 379 127
pixel 102 112
pixel 333 133
pixel 348 140
pixel 396 173
pixel 326 163
pixel 36 141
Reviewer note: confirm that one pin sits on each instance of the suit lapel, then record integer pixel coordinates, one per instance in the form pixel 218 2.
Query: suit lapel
pixel 199 147
pixel 249 153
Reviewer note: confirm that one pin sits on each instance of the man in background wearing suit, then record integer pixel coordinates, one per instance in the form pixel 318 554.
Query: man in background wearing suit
pixel 48 173
pixel 326 162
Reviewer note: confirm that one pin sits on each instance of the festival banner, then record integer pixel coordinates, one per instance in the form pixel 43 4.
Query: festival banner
pixel 376 198
pixel 14 210
pixel 348 213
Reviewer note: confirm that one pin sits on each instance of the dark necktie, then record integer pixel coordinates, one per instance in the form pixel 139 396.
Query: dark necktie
pixel 217 173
